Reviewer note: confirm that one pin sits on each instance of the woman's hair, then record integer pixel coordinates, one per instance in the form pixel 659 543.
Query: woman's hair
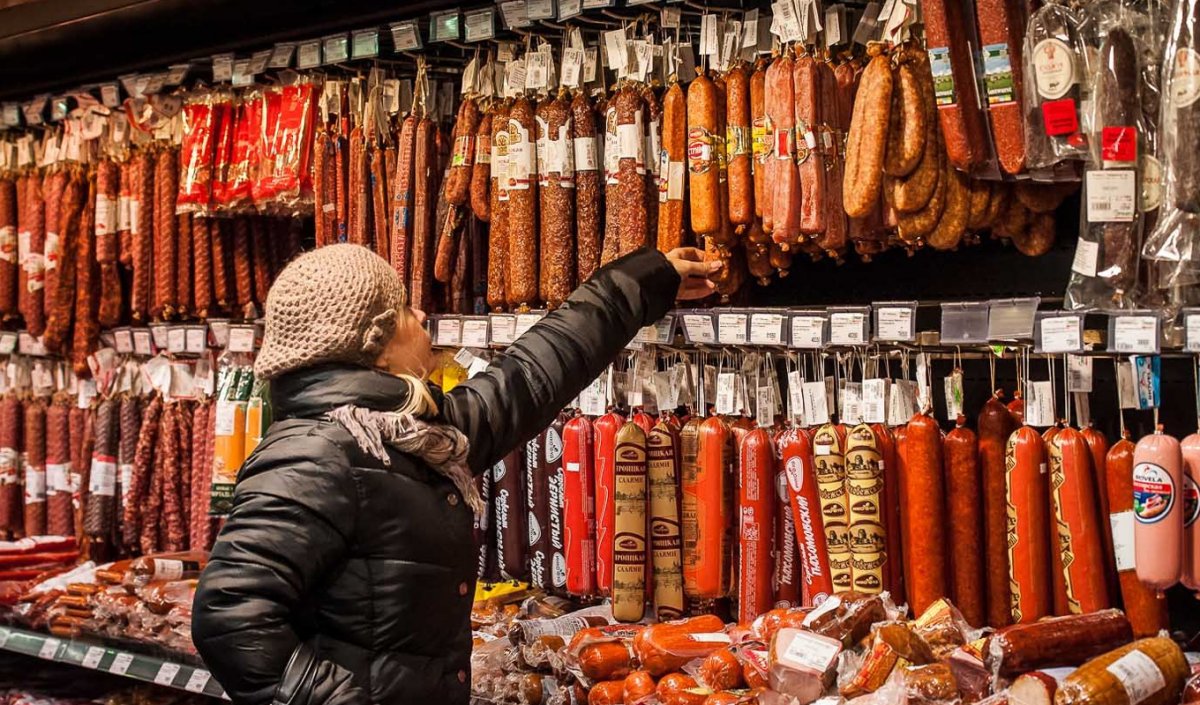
pixel 420 402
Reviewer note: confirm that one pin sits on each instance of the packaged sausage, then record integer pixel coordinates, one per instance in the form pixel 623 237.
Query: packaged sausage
pixel 666 647
pixel 802 664
pixel 1056 641
pixel 892 644
pixel 1056 62
pixel 1146 672
pixel 1158 509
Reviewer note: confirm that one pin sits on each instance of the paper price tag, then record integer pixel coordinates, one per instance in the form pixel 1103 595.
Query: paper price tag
pixel 449 332
pixel 259 61
pixel 616 50
pixel 405 36
pixel 241 339
pixel 808 332
pixel 816 403
pixel 731 328
pixel 895 324
pixel 475 333
pixel 592 400
pixel 49 649
pixel 764 407
pixel 198 681
pixel 726 401
pixel 699 328
pixel 1079 373
pixel 846 328
pixel 308 55
pixel 120 664
pixel 176 339
pixel 1191 327
pixel 91 659
pixel 525 321
pixel 166 673
pixel 766 329
pixel 952 387
pixel 1135 334
pixel 1060 334
pixel 851 403
pixel 504 329
pixel 142 342
pixel 874 400
pixel 1126 385
pixel 795 386
pixel 1111 195
pixel 1039 404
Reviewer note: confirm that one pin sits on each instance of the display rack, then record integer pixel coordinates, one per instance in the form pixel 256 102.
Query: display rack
pixel 118 662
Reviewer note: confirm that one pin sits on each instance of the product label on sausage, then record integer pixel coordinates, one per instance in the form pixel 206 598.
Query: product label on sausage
pixel 1138 675
pixel 103 478
pixel 522 157
pixel 1191 501
pixel 943 76
pixel 700 150
pixel 464 151
pixel 8 243
pixel 1153 493
pixel 124 213
pixel 631 141
pixel 759 140
pixel 1152 183
pixel 57 477
pixel 35 485
pixel 35 269
pixel 998 74
pixel 783 144
pixel 1185 79
pixel 52 251
pixel 1122 534
pixel 738 141
pixel 1053 68
pixel 1111 195
pixel 653 147
pixel 586 158
pixel 106 215
pixel 483 149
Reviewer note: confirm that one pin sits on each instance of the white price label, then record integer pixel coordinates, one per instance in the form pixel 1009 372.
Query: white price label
pixel 405 36
pixel 166 673
pixel 731 328
pixel 1122 535
pixel 176 339
pixel 198 681
pixel 1191 325
pixel 874 400
pixel 196 339
pixel 816 404
pixel 808 332
pixel 449 332
pixel 142 344
pixel 1061 334
pixel 766 329
pixel 525 321
pixel 49 649
pixel 1079 373
pixel 796 397
pixel 699 328
pixel 475 333
pixel 726 401
pixel 504 328
pixel 1135 334
pixel 91 659
pixel 120 664
pixel 846 328
pixel 895 324
pixel 1111 195
pixel 241 339
pixel 1039 404
pixel 1087 254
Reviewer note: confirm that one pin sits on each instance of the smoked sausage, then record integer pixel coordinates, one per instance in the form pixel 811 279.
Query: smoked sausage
pixel 1028 526
pixel 521 281
pixel 1146 608
pixel 703 170
pixel 1158 510
pixel 629 525
pixel 868 138
pixel 946 38
pixel 672 167
pixel 964 485
pixel 666 543
pixel 756 509
pixel 587 187
pixel 795 451
pixel 923 494
pixel 605 428
pixel 706 540
pixel 739 147
pixel 1075 507
pixel 579 506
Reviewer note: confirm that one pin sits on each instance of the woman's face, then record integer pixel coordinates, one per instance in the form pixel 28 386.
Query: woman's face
pixel 409 352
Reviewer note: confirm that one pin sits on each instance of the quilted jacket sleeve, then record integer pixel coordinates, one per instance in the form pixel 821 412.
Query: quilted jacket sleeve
pixel 523 389
pixel 259 573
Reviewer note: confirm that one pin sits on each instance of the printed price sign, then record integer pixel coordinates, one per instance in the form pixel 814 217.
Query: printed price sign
pixel 198 681
pixel 699 328
pixel 120 664
pixel 808 332
pixel 449 331
pixel 894 323
pixel 91 659
pixel 731 328
pixel 766 329
pixel 847 328
pixel 1134 334
pixel 166 673
pixel 1061 334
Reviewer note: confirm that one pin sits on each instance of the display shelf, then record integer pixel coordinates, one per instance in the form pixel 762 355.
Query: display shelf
pixel 118 662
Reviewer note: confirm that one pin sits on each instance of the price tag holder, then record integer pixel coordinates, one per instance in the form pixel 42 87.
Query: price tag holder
pixel 1056 332
pixel 569 8
pixel 8 343
pixel 849 325
pixel 143 342
pixel 1012 319
pixel 808 329
pixel 166 673
pixel 895 322
pixel 699 328
pixel 525 321
pixel 480 25
pixel 475 332
pixel 504 328
pixel 768 328
pixel 539 9
pixel 241 338
pixel 964 323
pixel 123 341
pixel 444 26
pixel 364 44
pixel 196 340
pixel 176 340
pixel 162 340
pixel 336 48
pixel 448 331
pixel 1134 333
pixel 405 36
pixel 1191 329
pixel 660 333
pixel 732 328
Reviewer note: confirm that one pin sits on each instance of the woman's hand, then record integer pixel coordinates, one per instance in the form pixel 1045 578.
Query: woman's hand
pixel 694 272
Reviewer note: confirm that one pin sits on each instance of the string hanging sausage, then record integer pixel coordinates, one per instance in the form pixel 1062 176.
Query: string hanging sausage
pixel 672 168
pixel 868 138
pixel 521 281
pixel 1075 505
pixel 995 425
pixel 606 428
pixel 556 191
pixel 965 526
pixel 481 171
pixel 810 156
pixel 1146 609
pixel 629 525
pixel 632 223
pixel 923 495
pixel 739 146
pixel 756 509
pixel 587 187
pixel 1028 527
pixel 703 170
pixel 498 210
pixel 666 543
pixel 579 509
pixel 866 536
pixel 458 185
pixel 420 294
pixel 706 521
pixel 830 468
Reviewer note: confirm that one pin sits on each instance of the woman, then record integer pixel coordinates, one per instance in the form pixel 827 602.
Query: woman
pixel 346 570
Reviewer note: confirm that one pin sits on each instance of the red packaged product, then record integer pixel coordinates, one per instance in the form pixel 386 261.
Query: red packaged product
pixel 197 153
pixel 225 114
pixel 288 123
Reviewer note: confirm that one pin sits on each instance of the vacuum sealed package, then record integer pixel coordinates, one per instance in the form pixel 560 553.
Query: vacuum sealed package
pixel 1104 271
pixel 1057 59
pixel 1172 243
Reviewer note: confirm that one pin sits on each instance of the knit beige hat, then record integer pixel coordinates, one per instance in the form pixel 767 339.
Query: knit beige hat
pixel 335 304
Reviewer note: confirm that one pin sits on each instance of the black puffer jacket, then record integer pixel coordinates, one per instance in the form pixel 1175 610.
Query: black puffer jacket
pixel 337 580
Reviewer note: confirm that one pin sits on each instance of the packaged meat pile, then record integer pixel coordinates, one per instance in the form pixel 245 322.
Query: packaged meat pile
pixel 148 600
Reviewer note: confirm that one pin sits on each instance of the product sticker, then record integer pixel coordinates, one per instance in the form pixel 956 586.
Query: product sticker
pixel 1039 404
pixel 35 485
pixel 1079 373
pixel 1060 117
pixel 998 74
pixel 1191 500
pixel 943 76
pixel 816 403
pixel 1153 493
pixel 1111 196
pixel 846 328
pixel 1135 334
pixel 1118 145
pixel 1146 377
pixel 674 181
pixel 1185 78
pixel 1152 183
pixel 522 158
pixel 198 681
pixel 166 673
pixel 895 324
pixel 699 150
pixel 874 400
pixel 1087 255
pixel 714 638
pixel 953 388
pixel 120 664
pixel 811 652
pixel 103 478
pixel 1053 68
pixel 1122 534
pixel 808 332
pixel 167 569
pixel 1138 675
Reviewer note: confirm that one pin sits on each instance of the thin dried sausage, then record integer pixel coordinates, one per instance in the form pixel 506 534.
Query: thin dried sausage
pixel 481 171
pixel 588 182
pixel 946 36
pixel 458 184
pixel 521 282
pixel 498 207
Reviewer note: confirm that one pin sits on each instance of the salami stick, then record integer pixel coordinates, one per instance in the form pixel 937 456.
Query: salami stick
pixel 166 233
pixel 86 334
pixel 629 539
pixel 31 275
pixel 498 211
pixel 202 279
pixel 12 198
pixel 380 236
pixel 425 165
pixel 60 295
pixel 242 266
pixel 588 185
pixel 323 207
pixel 673 168
pixel 34 437
pixel 142 235
pixel 60 516
pixel 964 484
pixel 458 185
pixel 402 200
pixel 1028 527
pixel 261 255
pixel 556 193
pixel 1076 519
pixel 756 507
pixel 184 270
pixel 481 170
pixel 958 111
pixel 108 189
pixel 521 264
pixel 810 153
pixel 662 448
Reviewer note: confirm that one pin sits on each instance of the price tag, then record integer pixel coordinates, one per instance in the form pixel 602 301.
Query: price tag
pixel 241 339
pixel 91 659
pixel 952 385
pixel 504 329
pixel 894 323
pixel 1191 328
pixel 572 65
pixel 847 328
pixel 336 48
pixel 569 8
pixel 1039 404
pixel 851 403
pixel 795 388
pixel 766 329
pixel 1122 533
pixel 197 340
pixel 281 55
pixel 1111 195
pixel 1087 255
pixel 592 400
pixel 1079 373
pixel 1061 334
pixel 405 36
pixel 142 342
pixel 8 343
pixel 539 9
pixel 49 649
pixel 443 26
pixel 120 664
pixel 480 25
pixel 1127 394
pixel 731 328
pixel 198 681
pixel 808 332
pixel 259 61
pixel 525 321
pixel 308 54
pixel 176 339
pixel 726 402
pixel 475 332
pixel 1134 334
pixel 874 400
pixel 449 332
pixel 166 673
pixel 698 328
pixel 816 403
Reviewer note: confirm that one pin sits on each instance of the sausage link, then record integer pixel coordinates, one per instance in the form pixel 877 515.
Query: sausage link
pixel 1002 30
pixel 995 425
pixel 810 156
pixel 447 244
pixel 760 140
pixel 420 294
pixel 557 201
pixel 835 114
pixel 166 233
pixel 124 216
pixel 60 516
pixel 703 171
pixel 1075 506
pixel 60 294
pixel 498 207
pixel 672 167
pixel 380 236
pixel 458 184
pixel 202 281
pixel 356 197
pixel 913 227
pixel 185 259
pixel 34 438
pixel 34 264
pixel 16 193
pixel 906 134
pixel 34 229
pixel 243 268
pixel 663 456
pixel 958 107
pixel 1038 238
pixel 86 335
pixel 952 225
pixel 521 281
pixel 588 187
pixel 911 192
pixel 481 177
pixel 739 146
pixel 322 206
pixel 401 208
pixel 1028 527
pixel 1146 607
pixel 867 535
pixel 783 176
pixel 756 509
pixel 629 525
pixel 964 484
pixel 630 207
pixel 650 157
pixel 868 138
pixel 922 493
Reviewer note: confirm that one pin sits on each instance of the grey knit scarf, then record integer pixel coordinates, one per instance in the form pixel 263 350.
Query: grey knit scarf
pixel 442 447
